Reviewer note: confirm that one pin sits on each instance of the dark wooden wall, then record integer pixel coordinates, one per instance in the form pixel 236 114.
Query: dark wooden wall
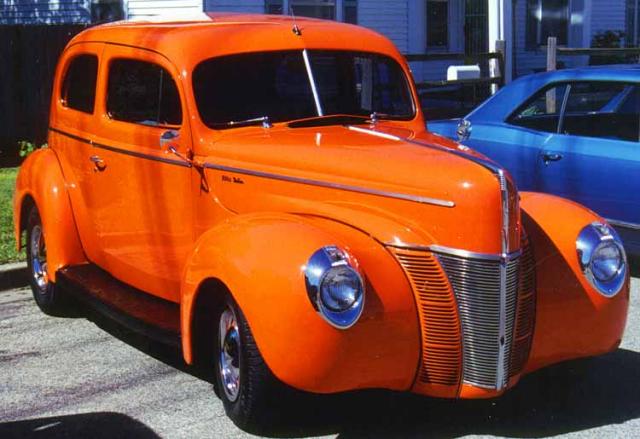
pixel 28 57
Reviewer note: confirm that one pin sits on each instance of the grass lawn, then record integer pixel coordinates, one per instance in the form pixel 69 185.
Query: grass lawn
pixel 7 243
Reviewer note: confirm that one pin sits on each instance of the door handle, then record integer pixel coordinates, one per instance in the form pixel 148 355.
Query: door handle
pixel 98 163
pixel 548 157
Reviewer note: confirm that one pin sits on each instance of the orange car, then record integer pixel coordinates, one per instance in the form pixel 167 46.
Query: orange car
pixel 262 191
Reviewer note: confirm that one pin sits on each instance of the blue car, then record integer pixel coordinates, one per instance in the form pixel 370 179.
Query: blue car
pixel 573 133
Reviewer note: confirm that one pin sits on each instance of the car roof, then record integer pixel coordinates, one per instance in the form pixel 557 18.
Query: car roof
pixel 510 97
pixel 188 40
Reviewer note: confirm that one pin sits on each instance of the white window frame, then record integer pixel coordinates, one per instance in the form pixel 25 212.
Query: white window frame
pixel 339 9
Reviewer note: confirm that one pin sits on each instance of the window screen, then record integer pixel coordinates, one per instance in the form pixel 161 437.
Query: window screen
pixel 79 85
pixel 142 92
pixel 437 23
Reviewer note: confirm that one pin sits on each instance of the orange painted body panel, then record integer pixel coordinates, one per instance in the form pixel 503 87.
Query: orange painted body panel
pixel 41 180
pixel 255 203
pixel 572 319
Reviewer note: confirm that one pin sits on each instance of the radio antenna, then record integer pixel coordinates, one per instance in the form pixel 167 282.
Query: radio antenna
pixel 296 30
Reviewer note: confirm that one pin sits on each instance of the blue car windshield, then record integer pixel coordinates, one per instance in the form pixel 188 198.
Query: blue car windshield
pixel 284 86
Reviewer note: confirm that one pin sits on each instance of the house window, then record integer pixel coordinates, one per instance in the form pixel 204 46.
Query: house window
pixel 547 18
pixel 437 24
pixel 343 10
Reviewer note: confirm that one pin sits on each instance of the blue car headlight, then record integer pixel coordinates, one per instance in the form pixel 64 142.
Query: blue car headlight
pixel 335 286
pixel 602 258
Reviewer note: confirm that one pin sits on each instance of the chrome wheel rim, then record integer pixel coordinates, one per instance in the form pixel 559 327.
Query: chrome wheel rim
pixel 38 259
pixel 229 343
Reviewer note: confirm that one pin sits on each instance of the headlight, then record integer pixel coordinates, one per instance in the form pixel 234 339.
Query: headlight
pixel 602 258
pixel 335 286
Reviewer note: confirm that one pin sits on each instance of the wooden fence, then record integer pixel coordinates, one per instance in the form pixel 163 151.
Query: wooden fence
pixel 443 98
pixel 29 55
pixel 553 52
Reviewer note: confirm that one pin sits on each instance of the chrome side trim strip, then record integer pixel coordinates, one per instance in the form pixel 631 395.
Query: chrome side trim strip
pixel 457 252
pixel 312 81
pixel 623 224
pixel 326 184
pixel 136 154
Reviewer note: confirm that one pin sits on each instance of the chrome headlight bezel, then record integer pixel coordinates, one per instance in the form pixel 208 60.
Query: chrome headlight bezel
pixel 323 262
pixel 591 238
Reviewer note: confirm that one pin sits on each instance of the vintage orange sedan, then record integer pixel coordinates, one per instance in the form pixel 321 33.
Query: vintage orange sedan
pixel 262 192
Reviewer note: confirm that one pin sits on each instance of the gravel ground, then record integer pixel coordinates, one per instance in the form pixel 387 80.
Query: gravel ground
pixel 81 377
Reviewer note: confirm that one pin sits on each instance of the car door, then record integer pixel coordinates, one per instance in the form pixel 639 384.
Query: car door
pixel 73 117
pixel 595 159
pixel 142 213
pixel 516 142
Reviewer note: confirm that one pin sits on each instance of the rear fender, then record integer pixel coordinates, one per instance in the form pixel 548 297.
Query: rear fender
pixel 261 258
pixel 41 182
pixel 573 320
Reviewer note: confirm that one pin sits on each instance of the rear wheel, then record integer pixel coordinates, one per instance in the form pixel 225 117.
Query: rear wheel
pixel 253 397
pixel 47 296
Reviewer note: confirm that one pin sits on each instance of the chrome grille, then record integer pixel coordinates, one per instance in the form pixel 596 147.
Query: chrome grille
pixel 486 293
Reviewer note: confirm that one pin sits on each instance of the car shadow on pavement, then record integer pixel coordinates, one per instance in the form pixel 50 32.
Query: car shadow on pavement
pixel 634 265
pixel 97 425
pixel 565 398
pixel 569 397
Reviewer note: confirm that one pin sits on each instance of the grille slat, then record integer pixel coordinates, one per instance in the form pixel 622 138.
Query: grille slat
pixel 441 356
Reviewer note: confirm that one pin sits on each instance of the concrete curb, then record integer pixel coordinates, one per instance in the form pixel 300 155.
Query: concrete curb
pixel 13 275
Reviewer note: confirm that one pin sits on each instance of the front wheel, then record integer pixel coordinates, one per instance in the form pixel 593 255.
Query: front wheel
pixel 46 294
pixel 253 397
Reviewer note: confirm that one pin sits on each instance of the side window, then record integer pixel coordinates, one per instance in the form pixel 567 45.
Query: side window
pixel 79 84
pixel 142 92
pixel 606 110
pixel 587 97
pixel 542 111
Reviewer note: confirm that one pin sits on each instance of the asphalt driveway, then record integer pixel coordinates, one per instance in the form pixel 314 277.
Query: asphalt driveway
pixel 85 377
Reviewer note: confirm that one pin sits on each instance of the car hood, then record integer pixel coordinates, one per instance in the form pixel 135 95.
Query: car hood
pixel 375 176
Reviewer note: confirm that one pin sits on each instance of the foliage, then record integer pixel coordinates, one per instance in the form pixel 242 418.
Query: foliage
pixel 25 148
pixel 610 39
pixel 7 243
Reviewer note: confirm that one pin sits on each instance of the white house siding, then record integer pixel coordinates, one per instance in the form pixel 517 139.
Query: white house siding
pixel 246 6
pixel 43 12
pixel 389 17
pixel 140 9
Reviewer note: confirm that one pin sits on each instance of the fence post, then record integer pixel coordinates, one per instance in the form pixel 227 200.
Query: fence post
pixel 552 59
pixel 552 53
pixel 496 65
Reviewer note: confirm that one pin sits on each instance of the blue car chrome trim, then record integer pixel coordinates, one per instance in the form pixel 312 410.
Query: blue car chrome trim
pixel 338 186
pixel 136 154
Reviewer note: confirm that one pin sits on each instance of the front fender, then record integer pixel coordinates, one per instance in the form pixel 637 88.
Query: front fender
pixel 573 320
pixel 40 180
pixel 260 259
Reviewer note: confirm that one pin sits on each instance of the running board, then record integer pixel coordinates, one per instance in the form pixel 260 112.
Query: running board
pixel 141 312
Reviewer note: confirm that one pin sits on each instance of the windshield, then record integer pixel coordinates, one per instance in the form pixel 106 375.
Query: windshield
pixel 277 86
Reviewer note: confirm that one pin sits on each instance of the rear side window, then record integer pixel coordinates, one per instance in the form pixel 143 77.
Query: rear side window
pixel 542 111
pixel 79 85
pixel 142 92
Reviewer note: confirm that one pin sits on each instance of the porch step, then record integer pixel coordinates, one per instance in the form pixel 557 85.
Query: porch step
pixel 141 312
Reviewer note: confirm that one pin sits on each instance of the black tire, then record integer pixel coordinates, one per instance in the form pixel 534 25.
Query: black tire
pixel 262 401
pixel 47 295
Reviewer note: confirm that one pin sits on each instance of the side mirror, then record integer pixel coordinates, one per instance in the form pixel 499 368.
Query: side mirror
pixel 464 130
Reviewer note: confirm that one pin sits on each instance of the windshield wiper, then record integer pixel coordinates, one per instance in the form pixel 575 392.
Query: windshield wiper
pixel 330 119
pixel 264 121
